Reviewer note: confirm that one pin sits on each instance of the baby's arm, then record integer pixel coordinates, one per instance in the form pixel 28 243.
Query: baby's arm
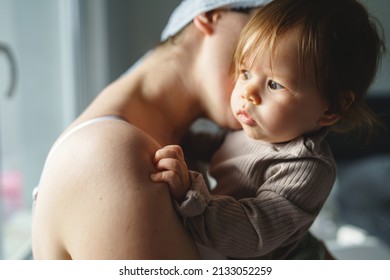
pixel 172 169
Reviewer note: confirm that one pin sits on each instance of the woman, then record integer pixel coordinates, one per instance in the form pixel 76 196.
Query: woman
pixel 95 198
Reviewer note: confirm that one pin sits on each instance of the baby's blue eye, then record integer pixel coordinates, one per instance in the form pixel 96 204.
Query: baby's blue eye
pixel 274 85
pixel 246 75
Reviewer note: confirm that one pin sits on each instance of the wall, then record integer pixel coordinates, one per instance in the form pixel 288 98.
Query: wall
pixel 380 9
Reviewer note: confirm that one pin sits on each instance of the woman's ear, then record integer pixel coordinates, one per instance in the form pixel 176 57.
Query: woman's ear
pixel 205 22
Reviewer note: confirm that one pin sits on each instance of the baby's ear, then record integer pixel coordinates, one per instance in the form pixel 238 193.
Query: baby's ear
pixel 205 22
pixel 347 99
pixel 329 119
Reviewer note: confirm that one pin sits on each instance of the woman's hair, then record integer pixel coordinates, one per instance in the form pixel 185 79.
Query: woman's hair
pixel 340 48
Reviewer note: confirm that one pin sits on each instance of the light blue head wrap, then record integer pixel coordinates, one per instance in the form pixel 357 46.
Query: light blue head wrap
pixel 188 9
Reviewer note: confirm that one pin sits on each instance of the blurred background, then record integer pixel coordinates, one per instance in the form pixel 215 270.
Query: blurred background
pixel 57 55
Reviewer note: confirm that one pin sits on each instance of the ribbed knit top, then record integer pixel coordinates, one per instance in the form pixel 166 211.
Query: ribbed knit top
pixel 266 197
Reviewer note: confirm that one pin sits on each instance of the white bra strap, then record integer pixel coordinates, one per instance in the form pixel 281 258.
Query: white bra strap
pixel 80 126
pixel 67 134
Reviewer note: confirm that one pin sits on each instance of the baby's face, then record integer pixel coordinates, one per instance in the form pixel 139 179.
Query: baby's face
pixel 272 100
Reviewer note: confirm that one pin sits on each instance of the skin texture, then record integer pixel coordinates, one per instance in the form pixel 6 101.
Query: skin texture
pixel 96 199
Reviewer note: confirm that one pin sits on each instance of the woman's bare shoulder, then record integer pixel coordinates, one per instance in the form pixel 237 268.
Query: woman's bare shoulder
pixel 106 142
pixel 97 180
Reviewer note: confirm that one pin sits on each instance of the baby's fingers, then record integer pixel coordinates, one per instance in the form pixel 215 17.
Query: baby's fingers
pixel 170 177
pixel 169 164
pixel 171 151
pixel 165 176
pixel 173 181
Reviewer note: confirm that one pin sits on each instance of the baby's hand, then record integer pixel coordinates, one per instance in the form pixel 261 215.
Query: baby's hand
pixel 172 169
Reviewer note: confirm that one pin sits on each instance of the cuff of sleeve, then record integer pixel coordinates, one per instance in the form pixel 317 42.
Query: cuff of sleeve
pixel 197 198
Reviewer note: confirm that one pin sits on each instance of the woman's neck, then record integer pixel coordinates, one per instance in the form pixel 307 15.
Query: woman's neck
pixel 166 99
pixel 158 96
